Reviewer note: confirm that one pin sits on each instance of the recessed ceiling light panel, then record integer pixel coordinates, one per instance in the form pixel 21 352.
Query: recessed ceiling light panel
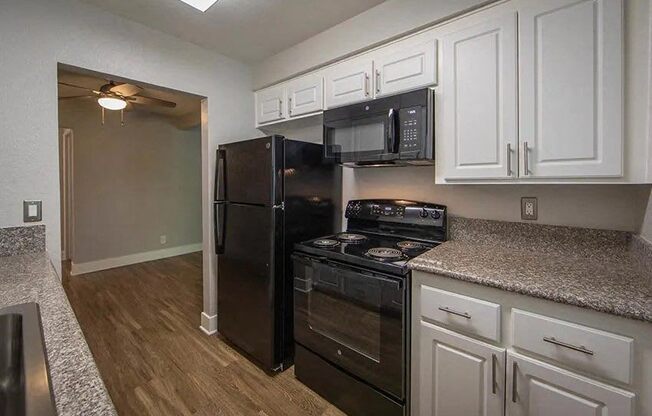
pixel 201 5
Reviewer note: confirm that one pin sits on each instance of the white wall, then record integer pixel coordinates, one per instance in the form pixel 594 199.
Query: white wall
pixel 35 35
pixel 388 20
pixel 132 183
pixel 646 227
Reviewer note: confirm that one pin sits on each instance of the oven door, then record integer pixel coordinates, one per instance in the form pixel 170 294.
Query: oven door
pixel 368 138
pixel 353 318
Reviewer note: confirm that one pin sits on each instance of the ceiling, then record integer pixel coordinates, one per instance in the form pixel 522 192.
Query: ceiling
pixel 246 30
pixel 186 114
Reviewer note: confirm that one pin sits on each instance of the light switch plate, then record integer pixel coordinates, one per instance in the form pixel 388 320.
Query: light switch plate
pixel 32 211
pixel 529 209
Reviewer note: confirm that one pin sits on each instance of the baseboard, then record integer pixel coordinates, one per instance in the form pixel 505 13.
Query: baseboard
pixel 105 264
pixel 208 324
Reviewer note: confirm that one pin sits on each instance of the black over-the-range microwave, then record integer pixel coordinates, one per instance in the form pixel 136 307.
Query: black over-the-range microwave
pixel 395 130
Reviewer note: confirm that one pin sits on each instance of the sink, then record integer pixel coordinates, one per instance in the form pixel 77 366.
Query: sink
pixel 25 386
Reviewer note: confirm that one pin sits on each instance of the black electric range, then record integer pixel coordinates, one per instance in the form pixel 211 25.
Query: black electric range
pixel 351 304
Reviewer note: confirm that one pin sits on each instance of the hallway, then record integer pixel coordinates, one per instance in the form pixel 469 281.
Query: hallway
pixel 141 323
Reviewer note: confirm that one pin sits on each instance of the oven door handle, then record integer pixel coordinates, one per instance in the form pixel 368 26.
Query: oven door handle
pixel 392 142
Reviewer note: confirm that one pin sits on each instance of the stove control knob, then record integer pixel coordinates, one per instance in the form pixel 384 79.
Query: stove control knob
pixel 436 215
pixel 424 213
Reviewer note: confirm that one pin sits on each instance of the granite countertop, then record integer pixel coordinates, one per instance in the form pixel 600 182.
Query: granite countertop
pixel 78 388
pixel 607 271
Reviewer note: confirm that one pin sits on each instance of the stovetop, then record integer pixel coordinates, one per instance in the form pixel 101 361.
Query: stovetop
pixel 380 252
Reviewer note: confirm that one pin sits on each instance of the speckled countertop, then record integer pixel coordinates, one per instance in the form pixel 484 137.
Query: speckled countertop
pixel 78 388
pixel 607 271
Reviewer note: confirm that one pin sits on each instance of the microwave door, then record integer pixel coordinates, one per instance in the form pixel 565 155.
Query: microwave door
pixel 355 140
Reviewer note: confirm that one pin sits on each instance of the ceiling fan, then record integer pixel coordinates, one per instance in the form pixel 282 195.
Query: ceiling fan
pixel 114 96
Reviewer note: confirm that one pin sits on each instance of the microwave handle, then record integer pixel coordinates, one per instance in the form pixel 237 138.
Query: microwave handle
pixel 392 142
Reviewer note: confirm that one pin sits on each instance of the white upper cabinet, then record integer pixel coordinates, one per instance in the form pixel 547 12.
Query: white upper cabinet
pixel 477 135
pixel 535 388
pixel 270 104
pixel 403 68
pixel 348 82
pixel 305 95
pixel 571 88
pixel 458 375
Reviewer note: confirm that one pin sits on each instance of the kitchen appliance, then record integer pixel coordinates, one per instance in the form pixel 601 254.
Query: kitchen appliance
pixel 270 193
pixel 351 304
pixel 396 130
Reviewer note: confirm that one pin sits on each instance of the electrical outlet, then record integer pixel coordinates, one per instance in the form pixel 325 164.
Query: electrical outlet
pixel 164 239
pixel 529 209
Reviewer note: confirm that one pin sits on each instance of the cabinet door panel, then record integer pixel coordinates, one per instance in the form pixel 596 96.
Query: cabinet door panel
pixel 478 104
pixel 456 374
pixel 348 82
pixel 539 389
pixel 406 68
pixel 571 87
pixel 269 104
pixel 305 95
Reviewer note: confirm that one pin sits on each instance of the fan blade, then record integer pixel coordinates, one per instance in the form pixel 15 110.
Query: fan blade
pixel 75 97
pixel 126 90
pixel 139 99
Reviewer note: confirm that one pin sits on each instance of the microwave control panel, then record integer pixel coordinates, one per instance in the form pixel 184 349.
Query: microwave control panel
pixel 411 129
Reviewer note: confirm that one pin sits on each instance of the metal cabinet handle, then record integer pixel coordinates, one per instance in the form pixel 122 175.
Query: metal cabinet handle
pixel 514 379
pixel 290 106
pixel 526 161
pixel 494 382
pixel 454 312
pixel 509 159
pixel 280 107
pixel 377 81
pixel 581 348
pixel 366 84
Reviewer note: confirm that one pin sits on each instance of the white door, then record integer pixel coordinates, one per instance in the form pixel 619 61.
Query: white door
pixel 270 104
pixel 458 375
pixel 348 82
pixel 305 95
pixel 403 69
pixel 571 88
pixel 535 388
pixel 477 136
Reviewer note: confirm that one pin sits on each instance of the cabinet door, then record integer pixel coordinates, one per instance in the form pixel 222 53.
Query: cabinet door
pixel 405 69
pixel 571 88
pixel 270 103
pixel 478 102
pixel 535 388
pixel 457 375
pixel 348 82
pixel 305 95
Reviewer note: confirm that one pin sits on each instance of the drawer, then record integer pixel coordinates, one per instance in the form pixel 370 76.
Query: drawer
pixel 598 352
pixel 470 315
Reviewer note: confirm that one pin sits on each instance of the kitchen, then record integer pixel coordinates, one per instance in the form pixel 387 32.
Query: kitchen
pixel 508 305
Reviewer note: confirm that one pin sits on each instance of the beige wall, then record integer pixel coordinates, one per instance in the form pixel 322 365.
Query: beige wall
pixel 132 184
pixel 646 228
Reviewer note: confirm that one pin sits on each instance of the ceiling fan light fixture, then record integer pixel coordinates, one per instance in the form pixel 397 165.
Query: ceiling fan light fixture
pixel 112 103
pixel 201 5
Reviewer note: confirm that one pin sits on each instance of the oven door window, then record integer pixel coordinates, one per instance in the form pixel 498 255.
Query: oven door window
pixel 353 318
pixel 357 139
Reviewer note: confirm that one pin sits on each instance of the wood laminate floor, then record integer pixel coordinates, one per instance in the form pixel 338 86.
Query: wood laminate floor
pixel 142 325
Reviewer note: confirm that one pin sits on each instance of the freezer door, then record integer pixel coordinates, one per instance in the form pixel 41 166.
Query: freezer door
pixel 250 172
pixel 247 284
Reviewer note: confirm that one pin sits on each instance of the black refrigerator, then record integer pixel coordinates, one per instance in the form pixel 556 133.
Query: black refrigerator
pixel 270 193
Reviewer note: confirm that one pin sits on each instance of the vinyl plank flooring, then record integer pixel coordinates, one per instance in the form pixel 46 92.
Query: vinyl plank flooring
pixel 141 323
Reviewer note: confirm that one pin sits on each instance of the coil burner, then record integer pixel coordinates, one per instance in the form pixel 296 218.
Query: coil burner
pixel 385 254
pixel 326 243
pixel 351 238
pixel 409 245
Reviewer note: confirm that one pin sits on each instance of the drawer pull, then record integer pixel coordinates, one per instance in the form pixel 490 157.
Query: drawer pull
pixel 453 312
pixel 581 348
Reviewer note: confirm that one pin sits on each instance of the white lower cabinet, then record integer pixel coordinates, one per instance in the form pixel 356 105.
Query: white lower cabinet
pixel 458 375
pixel 535 388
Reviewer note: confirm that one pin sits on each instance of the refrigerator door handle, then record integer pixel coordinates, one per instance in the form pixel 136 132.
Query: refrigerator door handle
pixel 219 228
pixel 220 174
